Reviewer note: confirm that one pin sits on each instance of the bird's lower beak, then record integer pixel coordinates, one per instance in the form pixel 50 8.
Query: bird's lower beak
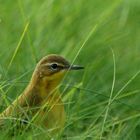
pixel 75 67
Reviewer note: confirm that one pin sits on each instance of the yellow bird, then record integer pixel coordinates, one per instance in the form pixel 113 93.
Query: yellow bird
pixel 41 102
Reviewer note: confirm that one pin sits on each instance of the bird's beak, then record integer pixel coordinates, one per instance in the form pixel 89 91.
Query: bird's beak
pixel 75 67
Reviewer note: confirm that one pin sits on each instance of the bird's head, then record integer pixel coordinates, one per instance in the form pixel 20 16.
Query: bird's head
pixel 54 67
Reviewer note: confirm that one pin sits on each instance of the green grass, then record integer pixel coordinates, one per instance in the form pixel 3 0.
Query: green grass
pixel 102 102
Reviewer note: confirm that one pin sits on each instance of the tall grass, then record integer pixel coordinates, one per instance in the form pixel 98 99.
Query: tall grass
pixel 101 102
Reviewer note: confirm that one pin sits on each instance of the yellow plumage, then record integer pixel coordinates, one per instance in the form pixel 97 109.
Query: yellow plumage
pixel 41 101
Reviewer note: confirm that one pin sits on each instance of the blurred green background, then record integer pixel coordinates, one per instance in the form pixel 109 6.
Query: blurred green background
pixel 101 35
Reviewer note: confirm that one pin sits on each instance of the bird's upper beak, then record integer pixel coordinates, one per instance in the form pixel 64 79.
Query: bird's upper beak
pixel 74 67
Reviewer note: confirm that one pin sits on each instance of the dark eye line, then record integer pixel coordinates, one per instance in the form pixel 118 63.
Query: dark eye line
pixel 60 67
pixel 56 66
pixel 66 67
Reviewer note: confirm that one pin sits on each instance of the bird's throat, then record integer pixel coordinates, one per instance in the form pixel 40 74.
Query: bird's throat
pixel 45 86
pixel 48 88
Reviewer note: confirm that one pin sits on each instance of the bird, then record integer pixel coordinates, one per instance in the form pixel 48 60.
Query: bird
pixel 41 102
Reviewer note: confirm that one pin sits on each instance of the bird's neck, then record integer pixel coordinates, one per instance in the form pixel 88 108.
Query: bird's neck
pixel 45 86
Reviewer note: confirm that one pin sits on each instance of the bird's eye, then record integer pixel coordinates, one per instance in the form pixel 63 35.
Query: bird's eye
pixel 54 66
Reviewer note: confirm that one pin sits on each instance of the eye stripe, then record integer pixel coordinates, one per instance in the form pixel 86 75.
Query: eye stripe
pixel 58 68
pixel 55 66
pixel 59 65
